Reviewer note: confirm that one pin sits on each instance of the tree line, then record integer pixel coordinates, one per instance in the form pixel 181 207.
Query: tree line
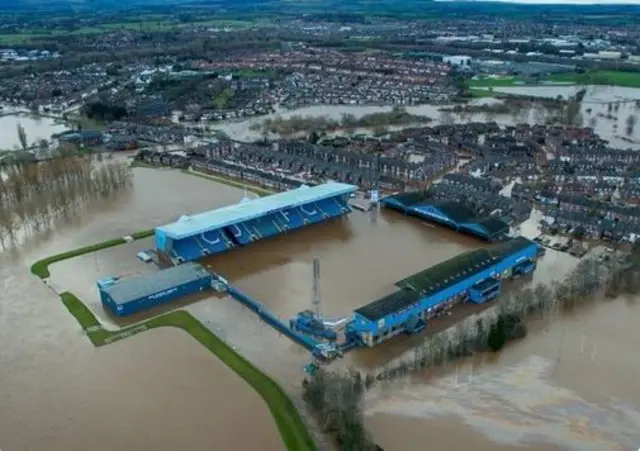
pixel 336 396
pixel 33 196
pixel 320 124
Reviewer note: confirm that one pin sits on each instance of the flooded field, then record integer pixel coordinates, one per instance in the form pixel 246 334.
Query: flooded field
pixel 594 109
pixel 158 390
pixel 571 384
pixel 360 260
pixel 35 127
pixel 596 101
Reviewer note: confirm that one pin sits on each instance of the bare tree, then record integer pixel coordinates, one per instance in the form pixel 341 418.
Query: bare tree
pixel 631 125
pixel 446 118
pixel 572 115
pixel 540 113
pixel 32 196
pixel 22 137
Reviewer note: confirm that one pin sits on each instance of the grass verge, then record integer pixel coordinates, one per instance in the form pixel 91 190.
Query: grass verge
pixel 41 267
pixel 494 82
pixel 290 425
pixel 601 77
pixel 292 429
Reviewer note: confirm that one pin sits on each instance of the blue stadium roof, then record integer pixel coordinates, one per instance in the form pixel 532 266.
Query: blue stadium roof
pixel 133 288
pixel 188 226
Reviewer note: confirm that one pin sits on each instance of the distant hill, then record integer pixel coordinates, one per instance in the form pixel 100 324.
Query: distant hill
pixel 401 9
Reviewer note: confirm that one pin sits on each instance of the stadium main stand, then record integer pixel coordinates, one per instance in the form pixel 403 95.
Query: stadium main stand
pixel 448 213
pixel 475 276
pixel 212 232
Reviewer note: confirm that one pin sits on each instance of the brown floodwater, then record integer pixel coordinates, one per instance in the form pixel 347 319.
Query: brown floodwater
pixel 571 384
pixel 158 390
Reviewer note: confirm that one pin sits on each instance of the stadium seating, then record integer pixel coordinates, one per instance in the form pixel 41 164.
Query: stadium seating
pixel 264 226
pixel 293 217
pixel 341 206
pixel 330 207
pixel 320 206
pixel 280 222
pixel 310 213
pixel 214 241
pixel 187 249
pixel 239 233
pixel 194 236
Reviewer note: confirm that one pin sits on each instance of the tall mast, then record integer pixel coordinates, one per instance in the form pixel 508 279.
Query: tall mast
pixel 316 300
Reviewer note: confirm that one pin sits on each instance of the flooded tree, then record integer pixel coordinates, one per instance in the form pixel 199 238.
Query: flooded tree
pixel 540 113
pixel 335 398
pixel 22 137
pixel 446 118
pixel 584 283
pixel 33 196
pixel 348 122
pixel 571 115
pixel 631 125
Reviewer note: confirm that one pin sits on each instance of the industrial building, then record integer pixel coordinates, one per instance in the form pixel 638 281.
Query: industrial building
pixel 125 296
pixel 474 277
pixel 447 213
pixel 212 232
pixel 82 138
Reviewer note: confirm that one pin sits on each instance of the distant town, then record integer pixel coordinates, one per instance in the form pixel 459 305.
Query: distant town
pixel 174 108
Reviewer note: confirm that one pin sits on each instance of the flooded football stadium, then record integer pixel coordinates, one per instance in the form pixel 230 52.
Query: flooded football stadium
pixel 158 390
pixel 571 384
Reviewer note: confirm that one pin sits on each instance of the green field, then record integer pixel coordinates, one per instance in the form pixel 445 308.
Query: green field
pixel 494 82
pixel 601 77
pixel 157 24
pixel 223 99
pixel 253 73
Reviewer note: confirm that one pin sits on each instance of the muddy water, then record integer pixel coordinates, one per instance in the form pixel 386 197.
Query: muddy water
pixel 35 127
pixel 594 109
pixel 595 100
pixel 360 260
pixel 571 384
pixel 158 390
pixel 557 389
